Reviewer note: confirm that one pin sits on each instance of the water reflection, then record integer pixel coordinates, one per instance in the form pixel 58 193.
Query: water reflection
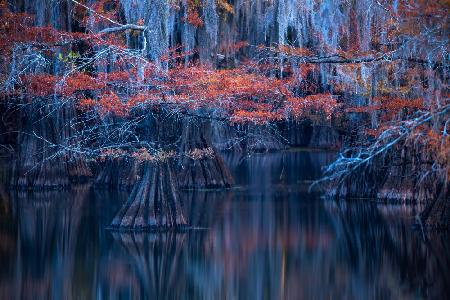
pixel 266 239
pixel 46 228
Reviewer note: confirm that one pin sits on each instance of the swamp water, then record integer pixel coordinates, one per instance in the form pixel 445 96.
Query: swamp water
pixel 267 238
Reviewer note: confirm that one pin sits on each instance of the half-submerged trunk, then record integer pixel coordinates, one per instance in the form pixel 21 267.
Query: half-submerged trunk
pixel 117 173
pixel 402 174
pixel 224 137
pixel 436 215
pixel 201 165
pixel 154 204
pixel 306 134
pixel 42 162
pixel 262 138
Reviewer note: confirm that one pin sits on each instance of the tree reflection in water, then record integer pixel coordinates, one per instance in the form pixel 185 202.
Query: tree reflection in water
pixel 265 239
pixel 47 229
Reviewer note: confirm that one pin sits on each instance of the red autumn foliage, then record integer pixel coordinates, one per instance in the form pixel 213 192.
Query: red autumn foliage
pixel 80 82
pixel 237 94
pixel 390 105
pixel 324 104
pixel 86 103
pixel 247 93
pixel 40 85
pixel 193 16
pixel 111 103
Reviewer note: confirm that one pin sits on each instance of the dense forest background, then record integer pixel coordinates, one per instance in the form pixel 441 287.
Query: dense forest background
pixel 146 95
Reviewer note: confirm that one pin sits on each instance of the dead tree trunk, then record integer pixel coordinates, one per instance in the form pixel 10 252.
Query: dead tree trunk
pixel 201 165
pixel 153 204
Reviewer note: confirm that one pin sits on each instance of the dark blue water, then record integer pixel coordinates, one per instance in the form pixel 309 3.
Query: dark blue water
pixel 266 239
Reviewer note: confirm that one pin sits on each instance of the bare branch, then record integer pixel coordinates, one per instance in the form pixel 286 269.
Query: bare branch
pixel 123 28
pixel 96 13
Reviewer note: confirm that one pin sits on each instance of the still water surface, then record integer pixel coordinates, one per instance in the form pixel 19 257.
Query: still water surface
pixel 265 239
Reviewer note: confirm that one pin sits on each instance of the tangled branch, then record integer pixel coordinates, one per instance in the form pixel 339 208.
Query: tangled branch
pixel 352 160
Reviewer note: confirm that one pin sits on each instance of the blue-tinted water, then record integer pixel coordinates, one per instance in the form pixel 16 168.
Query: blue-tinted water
pixel 265 239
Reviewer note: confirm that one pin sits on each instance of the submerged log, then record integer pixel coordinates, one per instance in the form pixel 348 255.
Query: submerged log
pixel 201 165
pixel 153 204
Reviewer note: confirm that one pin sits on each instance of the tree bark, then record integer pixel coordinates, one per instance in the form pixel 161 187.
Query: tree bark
pixel 224 137
pixel 118 173
pixel 154 204
pixel 436 215
pixel 262 138
pixel 201 165
pixel 41 163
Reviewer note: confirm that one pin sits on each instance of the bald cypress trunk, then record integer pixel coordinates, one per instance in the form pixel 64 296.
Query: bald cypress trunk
pixel 402 174
pixel 436 215
pixel 262 138
pixel 43 160
pixel 201 165
pixel 153 204
pixel 117 172
pixel 224 137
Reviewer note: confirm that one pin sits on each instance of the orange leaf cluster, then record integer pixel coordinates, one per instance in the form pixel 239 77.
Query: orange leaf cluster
pixel 86 103
pixel 257 117
pixel 396 104
pixel 324 104
pixel 111 103
pixel 81 82
pixel 193 16
pixel 294 51
pixel 40 85
pixel 235 93
pixel 43 85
